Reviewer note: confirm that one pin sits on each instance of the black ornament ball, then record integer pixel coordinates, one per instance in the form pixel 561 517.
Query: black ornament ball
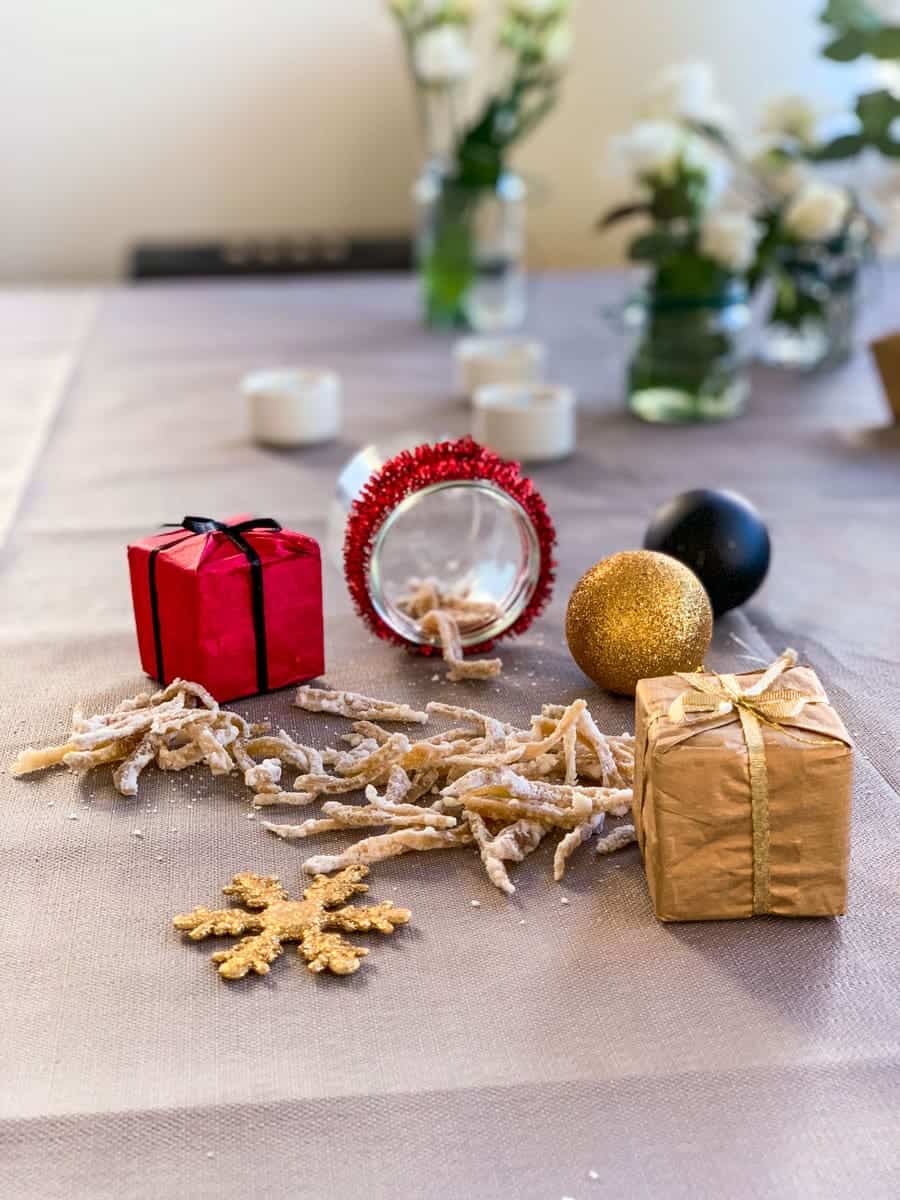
pixel 720 536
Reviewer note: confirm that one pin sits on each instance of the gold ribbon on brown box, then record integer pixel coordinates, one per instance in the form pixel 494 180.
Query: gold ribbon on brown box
pixel 755 706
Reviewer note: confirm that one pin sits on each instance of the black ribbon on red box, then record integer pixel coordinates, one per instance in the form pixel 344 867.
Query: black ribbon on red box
pixel 201 526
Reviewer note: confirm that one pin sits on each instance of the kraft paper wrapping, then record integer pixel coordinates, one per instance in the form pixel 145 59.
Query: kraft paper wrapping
pixel 886 352
pixel 692 806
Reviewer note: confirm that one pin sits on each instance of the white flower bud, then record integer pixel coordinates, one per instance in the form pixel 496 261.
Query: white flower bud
pixel 818 212
pixel 730 239
pixel 442 56
pixel 782 175
pixel 650 148
pixel 556 48
pixel 792 116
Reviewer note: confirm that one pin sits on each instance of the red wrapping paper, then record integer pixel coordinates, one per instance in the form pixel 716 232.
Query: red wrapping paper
pixel 204 603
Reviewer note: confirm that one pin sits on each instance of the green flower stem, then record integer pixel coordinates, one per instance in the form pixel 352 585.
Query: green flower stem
pixel 681 352
pixel 449 265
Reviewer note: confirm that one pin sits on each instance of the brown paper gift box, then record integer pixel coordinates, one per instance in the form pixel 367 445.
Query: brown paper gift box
pixel 693 815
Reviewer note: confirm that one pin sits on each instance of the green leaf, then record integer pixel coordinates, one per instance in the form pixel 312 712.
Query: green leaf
pixel 847 47
pixel 888 146
pixel 884 44
pixel 713 134
pixel 622 213
pixel 849 14
pixel 877 111
pixel 653 247
pixel 847 146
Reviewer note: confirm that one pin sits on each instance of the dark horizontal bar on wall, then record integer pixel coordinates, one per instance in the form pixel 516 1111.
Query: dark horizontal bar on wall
pixel 312 255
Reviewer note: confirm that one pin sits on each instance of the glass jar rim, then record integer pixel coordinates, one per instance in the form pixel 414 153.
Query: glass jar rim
pixel 407 474
pixel 510 186
pixel 732 294
pixel 517 602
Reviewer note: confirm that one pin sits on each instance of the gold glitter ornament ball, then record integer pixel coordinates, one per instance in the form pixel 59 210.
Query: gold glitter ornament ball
pixel 637 615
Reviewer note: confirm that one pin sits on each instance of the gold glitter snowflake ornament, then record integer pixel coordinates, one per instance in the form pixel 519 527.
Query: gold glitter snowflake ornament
pixel 275 919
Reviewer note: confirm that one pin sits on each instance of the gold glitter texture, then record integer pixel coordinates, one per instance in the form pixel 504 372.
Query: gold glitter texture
pixel 638 615
pixel 275 919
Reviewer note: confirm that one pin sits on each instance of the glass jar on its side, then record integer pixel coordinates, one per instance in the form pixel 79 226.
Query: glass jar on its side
pixel 451 512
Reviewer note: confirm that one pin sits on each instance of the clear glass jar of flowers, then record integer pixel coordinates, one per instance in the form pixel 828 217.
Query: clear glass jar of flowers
pixel 471 205
pixel 688 356
pixel 689 324
pixel 814 251
pixel 817 237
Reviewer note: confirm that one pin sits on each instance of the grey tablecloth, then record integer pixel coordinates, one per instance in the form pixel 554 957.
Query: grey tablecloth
pixel 523 1048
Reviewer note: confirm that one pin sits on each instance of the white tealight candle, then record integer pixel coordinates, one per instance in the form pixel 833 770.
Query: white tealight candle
pixel 527 422
pixel 481 361
pixel 293 406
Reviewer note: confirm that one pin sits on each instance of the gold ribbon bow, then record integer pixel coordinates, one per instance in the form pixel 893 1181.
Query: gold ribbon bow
pixel 755 706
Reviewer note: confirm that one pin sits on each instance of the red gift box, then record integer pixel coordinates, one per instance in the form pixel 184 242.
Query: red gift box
pixel 234 605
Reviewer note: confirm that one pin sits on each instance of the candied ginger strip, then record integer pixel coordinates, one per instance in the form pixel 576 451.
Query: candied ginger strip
pixel 179 757
pixel 616 840
pixel 282 747
pixel 569 738
pixel 128 772
pixel 86 760
pixel 351 704
pixel 217 757
pixel 566 846
pixel 494 868
pixel 184 687
pixel 362 817
pixel 493 729
pixel 284 799
pixel 515 842
pixel 37 760
pixel 508 809
pixel 444 627
pixel 372 770
pixel 389 845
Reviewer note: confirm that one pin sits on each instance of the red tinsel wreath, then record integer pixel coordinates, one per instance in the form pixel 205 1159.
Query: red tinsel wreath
pixel 409 472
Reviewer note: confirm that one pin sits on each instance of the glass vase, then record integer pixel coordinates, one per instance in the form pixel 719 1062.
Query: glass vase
pixel 470 248
pixel 688 359
pixel 815 307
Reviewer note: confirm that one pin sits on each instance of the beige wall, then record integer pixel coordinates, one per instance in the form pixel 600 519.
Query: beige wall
pixel 129 118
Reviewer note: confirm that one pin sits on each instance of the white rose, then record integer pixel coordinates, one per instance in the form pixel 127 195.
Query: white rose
pixel 818 212
pixel 650 148
pixel 784 176
pixel 887 11
pixel 442 56
pixel 792 116
pixel 730 239
pixel 687 92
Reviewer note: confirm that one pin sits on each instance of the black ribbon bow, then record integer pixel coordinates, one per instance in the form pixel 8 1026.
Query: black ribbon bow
pixel 202 526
